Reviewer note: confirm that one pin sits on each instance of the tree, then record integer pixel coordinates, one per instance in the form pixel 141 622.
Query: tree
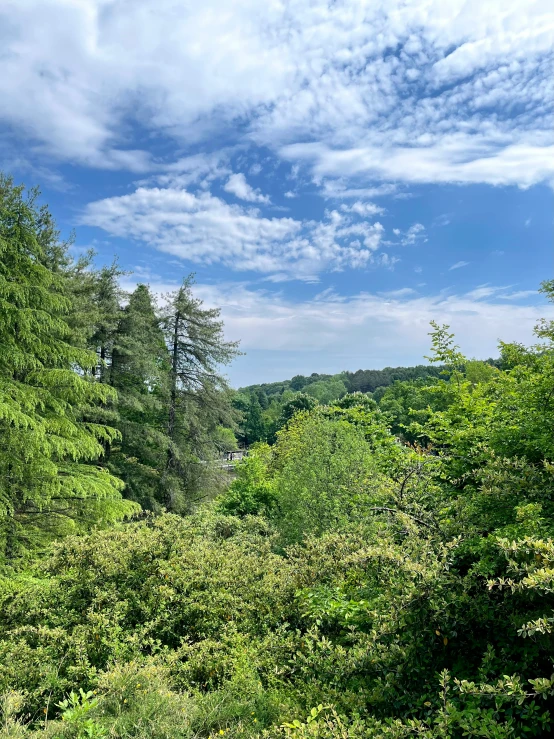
pixel 251 492
pixel 321 464
pixel 300 402
pixel 199 398
pixel 139 371
pixel 106 300
pixel 357 400
pixel 326 391
pixel 254 427
pixel 48 452
pixel 405 402
pixel 298 382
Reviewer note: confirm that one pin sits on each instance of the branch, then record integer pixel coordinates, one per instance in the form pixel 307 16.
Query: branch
pixel 381 509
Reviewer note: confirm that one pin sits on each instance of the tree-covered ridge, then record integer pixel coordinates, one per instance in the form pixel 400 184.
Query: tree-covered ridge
pixel 266 408
pixel 361 381
pixel 382 567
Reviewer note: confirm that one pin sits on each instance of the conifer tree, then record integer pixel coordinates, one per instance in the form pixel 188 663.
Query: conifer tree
pixel 139 372
pixel 254 427
pixel 48 452
pixel 107 297
pixel 199 398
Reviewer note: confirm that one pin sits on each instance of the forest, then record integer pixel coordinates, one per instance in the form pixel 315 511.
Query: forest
pixel 380 565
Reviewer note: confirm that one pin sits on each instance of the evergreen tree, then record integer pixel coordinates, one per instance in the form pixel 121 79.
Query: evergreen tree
pixel 199 398
pixel 139 372
pixel 107 298
pixel 254 427
pixel 47 450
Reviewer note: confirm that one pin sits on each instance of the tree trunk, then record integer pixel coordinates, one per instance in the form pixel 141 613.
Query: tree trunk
pixel 174 361
pixel 170 462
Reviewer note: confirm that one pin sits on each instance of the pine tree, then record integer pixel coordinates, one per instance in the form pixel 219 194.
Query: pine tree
pixel 48 452
pixel 199 398
pixel 139 372
pixel 107 297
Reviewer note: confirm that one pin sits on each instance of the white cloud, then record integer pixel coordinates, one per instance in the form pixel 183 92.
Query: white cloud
pixel 414 234
pixel 337 190
pixel 204 229
pixel 239 187
pixel 332 332
pixel 519 295
pixel 458 265
pixel 387 261
pixel 458 158
pixel 394 328
pixel 197 169
pixel 442 220
pixel 363 209
pixel 487 291
pixel 465 97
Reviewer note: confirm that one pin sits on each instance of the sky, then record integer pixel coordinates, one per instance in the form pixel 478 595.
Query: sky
pixel 336 173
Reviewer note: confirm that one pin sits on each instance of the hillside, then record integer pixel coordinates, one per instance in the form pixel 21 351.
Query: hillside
pixel 361 381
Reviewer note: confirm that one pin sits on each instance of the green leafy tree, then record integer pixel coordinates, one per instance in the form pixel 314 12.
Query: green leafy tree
pixel 321 467
pixel 300 402
pixel 405 402
pixel 357 400
pixel 252 491
pixel 326 391
pixel 49 451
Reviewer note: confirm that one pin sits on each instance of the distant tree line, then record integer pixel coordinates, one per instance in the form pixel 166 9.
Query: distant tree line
pixel 265 408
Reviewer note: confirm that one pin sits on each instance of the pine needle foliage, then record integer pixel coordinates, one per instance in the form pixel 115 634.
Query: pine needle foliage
pixel 199 398
pixel 139 371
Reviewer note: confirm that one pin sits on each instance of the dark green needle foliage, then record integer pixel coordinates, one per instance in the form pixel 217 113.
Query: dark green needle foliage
pixel 199 400
pixel 139 372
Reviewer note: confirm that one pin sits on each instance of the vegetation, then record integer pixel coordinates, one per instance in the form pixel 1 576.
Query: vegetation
pixel 266 408
pixel 382 569
pixel 107 402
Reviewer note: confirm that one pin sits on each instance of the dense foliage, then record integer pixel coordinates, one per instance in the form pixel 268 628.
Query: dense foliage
pixel 107 401
pixel 383 568
pixel 266 408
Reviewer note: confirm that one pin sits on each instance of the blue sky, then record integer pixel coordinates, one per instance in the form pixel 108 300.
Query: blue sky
pixel 337 173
